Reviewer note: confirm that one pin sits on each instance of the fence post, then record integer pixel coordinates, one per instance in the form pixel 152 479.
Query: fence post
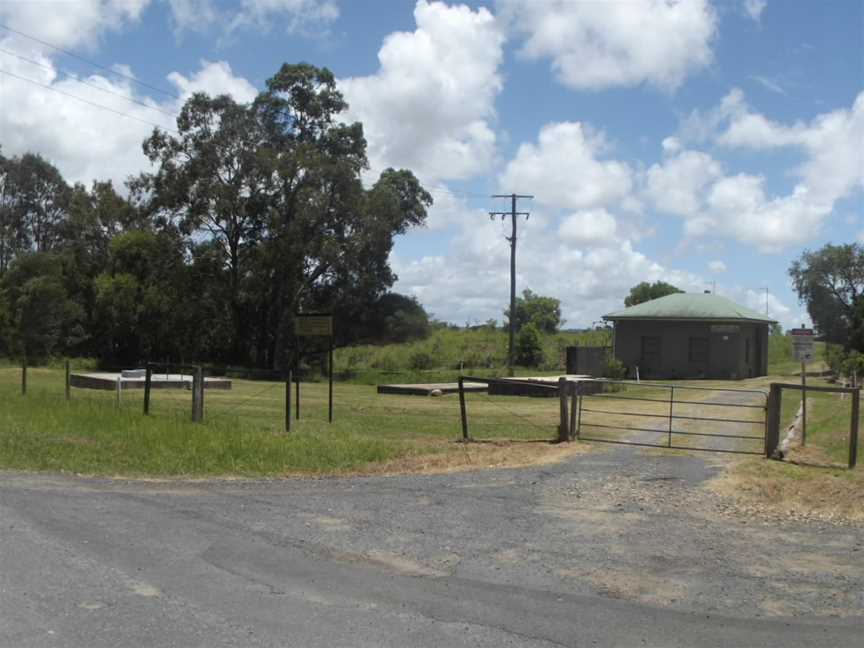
pixel 563 433
pixel 198 395
pixel 853 429
pixel 462 411
pixel 68 384
pixel 117 389
pixel 24 375
pixel 671 405
pixel 148 379
pixel 772 420
pixel 288 403
pixel 574 397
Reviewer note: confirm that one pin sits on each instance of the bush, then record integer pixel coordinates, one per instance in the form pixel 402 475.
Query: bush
pixel 529 346
pixel 421 360
pixel 615 370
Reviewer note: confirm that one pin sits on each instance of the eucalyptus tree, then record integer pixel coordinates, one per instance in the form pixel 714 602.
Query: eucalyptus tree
pixel 210 178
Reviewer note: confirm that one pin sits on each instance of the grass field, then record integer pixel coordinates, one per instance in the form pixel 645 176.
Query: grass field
pixel 243 431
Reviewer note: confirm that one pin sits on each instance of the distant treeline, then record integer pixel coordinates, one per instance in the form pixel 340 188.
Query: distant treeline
pixel 250 214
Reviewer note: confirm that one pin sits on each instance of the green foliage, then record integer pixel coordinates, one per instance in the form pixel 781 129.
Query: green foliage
pixel 645 291
pixel 528 346
pixel 615 370
pixel 775 329
pixel 421 360
pixel 853 364
pixel 252 213
pixel 543 312
pixel 36 314
pixel 830 282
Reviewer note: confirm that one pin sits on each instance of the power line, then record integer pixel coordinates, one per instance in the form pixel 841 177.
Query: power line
pixel 88 62
pixel 86 101
pixel 87 83
pixel 512 239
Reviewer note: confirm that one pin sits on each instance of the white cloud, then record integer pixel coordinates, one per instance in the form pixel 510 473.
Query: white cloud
pixel 832 142
pixel 584 259
pixel 214 78
pixel 739 205
pixel 596 45
pixel 677 186
pixel 716 266
pixel 431 103
pixel 564 171
pixel 83 140
pixel 754 8
pixel 69 24
pixel 595 226
pixel 296 16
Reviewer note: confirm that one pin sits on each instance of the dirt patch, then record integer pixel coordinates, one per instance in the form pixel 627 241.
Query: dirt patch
pixel 439 457
pixel 401 564
pixel 797 492
pixel 632 585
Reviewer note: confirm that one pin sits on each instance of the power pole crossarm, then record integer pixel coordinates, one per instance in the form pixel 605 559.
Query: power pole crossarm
pixel 512 239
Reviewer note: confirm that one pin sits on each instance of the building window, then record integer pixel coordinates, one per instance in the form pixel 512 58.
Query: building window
pixel 697 350
pixel 650 349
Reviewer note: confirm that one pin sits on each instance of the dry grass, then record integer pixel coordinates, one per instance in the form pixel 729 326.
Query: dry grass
pixel 431 458
pixel 794 490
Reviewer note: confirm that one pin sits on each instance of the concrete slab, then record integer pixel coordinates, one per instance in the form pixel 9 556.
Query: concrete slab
pixel 538 385
pixel 108 381
pixel 426 389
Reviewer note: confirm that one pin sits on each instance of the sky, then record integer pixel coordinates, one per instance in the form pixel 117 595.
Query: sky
pixel 704 143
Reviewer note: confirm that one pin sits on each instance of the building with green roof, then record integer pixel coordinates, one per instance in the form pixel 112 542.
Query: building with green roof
pixel 691 335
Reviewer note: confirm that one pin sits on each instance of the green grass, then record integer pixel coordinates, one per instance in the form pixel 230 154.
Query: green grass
pixel 243 429
pixel 447 352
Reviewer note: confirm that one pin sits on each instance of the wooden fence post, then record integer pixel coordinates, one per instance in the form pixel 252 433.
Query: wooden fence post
pixel 772 420
pixel 198 395
pixel 462 411
pixel 288 402
pixel 563 432
pixel 148 380
pixel 853 429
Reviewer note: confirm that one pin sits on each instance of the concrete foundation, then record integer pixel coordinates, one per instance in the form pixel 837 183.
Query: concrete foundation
pixel 108 381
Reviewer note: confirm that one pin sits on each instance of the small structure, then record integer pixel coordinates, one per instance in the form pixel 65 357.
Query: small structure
pixel 135 379
pixel 691 335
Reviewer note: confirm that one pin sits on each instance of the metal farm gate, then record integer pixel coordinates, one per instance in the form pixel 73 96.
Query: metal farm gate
pixel 672 416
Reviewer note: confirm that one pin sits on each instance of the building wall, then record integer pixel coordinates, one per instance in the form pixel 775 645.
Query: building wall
pixel 718 350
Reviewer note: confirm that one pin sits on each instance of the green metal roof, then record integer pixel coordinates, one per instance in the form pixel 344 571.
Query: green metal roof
pixel 689 306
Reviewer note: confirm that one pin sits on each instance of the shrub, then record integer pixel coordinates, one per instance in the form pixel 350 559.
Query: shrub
pixel 615 369
pixel 529 346
pixel 421 360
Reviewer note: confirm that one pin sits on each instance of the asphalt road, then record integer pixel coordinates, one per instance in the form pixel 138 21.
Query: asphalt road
pixel 618 547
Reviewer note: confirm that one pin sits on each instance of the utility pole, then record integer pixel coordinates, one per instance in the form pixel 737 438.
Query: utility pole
pixel 512 238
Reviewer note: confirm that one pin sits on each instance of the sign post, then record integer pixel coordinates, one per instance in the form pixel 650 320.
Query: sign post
pixel 802 345
pixel 315 325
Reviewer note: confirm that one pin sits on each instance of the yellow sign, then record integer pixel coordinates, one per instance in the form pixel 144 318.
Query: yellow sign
pixel 313 325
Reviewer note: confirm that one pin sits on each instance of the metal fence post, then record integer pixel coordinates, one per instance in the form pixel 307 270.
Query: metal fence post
pixel 563 432
pixel 853 429
pixel 462 411
pixel 574 397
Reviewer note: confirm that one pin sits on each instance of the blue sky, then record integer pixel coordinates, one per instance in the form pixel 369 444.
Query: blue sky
pixel 695 142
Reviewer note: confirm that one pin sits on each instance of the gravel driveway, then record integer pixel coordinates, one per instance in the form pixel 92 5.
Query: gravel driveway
pixel 618 547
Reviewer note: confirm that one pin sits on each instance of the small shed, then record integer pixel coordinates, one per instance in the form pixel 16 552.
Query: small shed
pixel 691 335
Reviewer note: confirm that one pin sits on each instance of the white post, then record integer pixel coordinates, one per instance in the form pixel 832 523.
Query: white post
pixel 117 399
